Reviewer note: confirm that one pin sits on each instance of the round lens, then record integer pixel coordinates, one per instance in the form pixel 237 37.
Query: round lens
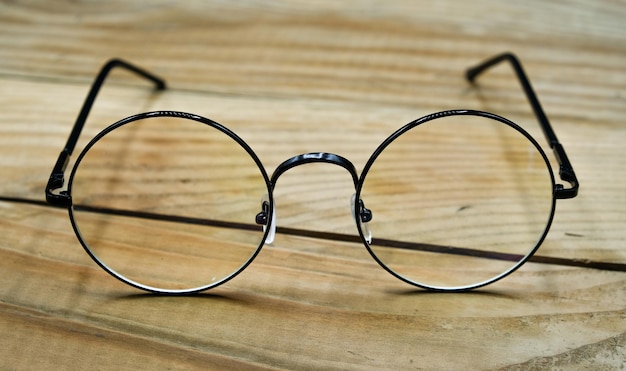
pixel 458 200
pixel 167 202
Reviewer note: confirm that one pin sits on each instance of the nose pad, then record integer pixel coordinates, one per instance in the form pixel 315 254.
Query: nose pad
pixel 363 218
pixel 262 219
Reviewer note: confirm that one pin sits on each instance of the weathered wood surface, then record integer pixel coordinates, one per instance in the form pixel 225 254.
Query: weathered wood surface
pixel 298 77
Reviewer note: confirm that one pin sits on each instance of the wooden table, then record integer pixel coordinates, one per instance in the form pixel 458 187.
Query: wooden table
pixel 296 77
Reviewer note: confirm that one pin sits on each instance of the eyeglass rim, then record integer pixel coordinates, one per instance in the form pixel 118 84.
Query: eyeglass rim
pixel 432 117
pixel 358 187
pixel 169 114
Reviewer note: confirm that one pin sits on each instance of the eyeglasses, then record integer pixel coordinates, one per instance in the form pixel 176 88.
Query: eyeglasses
pixel 174 203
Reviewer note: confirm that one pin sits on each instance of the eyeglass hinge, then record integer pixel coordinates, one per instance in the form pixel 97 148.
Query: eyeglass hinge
pixel 57 181
pixel 62 199
pixel 560 192
pixel 566 174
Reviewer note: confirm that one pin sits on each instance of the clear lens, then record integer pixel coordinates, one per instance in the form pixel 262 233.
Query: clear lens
pixel 457 201
pixel 168 203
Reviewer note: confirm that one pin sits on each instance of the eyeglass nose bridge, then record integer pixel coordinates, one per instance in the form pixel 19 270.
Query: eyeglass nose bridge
pixel 311 157
pixel 262 218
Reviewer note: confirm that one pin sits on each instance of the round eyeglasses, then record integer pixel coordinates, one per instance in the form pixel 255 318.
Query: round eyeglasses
pixel 172 202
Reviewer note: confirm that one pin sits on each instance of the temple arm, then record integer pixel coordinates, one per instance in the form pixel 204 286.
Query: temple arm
pixel 56 180
pixel 566 172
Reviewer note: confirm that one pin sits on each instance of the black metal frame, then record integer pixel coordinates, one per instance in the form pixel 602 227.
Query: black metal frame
pixel 56 196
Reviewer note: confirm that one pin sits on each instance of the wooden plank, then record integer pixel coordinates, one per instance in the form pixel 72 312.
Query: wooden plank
pixel 299 305
pixel 291 78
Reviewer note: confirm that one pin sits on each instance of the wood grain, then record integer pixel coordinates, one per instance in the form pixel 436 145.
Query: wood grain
pixel 295 77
